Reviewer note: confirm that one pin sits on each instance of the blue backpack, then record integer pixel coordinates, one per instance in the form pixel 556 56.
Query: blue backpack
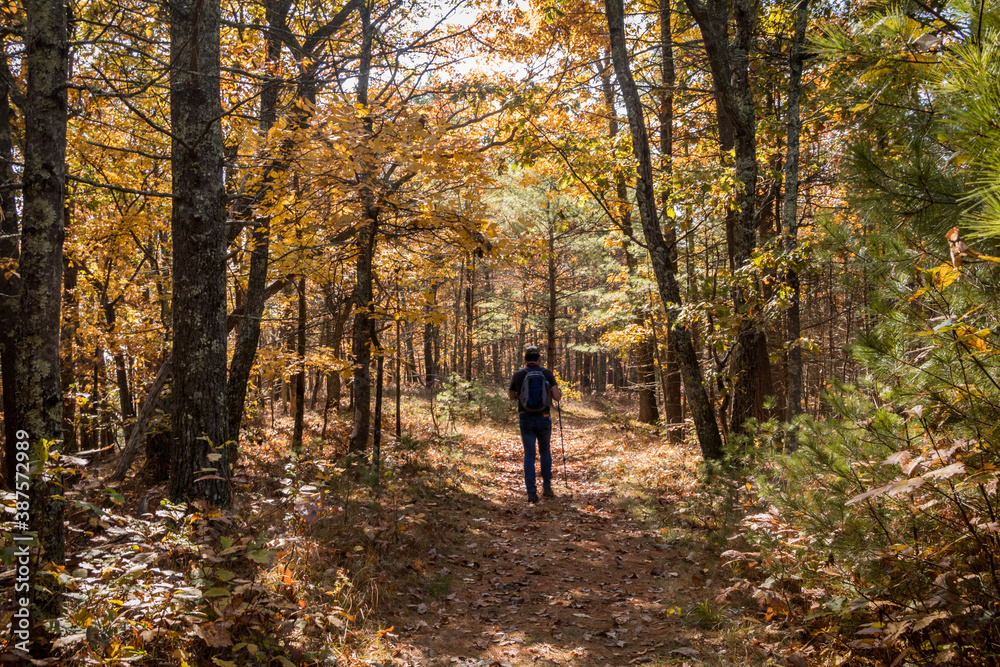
pixel 535 390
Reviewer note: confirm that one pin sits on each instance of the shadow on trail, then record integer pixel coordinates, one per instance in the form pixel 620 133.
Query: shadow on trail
pixel 571 581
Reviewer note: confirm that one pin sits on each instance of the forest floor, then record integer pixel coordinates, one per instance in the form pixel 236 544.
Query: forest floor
pixel 443 562
pixel 614 570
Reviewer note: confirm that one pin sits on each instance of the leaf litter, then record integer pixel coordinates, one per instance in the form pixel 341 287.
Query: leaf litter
pixel 575 580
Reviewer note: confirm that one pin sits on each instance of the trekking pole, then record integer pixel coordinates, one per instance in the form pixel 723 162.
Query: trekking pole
pixel 562 441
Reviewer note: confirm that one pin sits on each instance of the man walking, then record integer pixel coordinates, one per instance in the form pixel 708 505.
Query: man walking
pixel 535 388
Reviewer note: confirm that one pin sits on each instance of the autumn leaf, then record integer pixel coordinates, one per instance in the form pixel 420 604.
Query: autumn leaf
pixel 945 275
pixel 214 634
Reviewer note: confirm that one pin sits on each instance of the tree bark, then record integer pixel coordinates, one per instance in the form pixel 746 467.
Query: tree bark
pixel 67 361
pixel 730 65
pixel 367 233
pixel 664 268
pixel 121 372
pixel 300 375
pixel 39 390
pixel 399 355
pixel 200 420
pixel 550 350
pixel 430 331
pixel 470 296
pixel 377 429
pixel 248 339
pixel 789 215
pixel 671 377
pixel 10 282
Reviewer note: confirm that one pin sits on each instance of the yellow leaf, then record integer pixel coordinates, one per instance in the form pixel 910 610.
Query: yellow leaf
pixel 945 275
pixel 973 339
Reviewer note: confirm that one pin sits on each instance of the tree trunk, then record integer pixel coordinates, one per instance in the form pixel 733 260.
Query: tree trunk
pixel 671 377
pixel 730 65
pixel 367 233
pixel 362 334
pixel 39 390
pixel 377 429
pixel 300 376
pixel 248 340
pixel 10 283
pixel 646 380
pixel 412 373
pixel 67 361
pixel 664 267
pixel 789 215
pixel 457 349
pixel 200 420
pixel 470 296
pixel 550 350
pixel 430 331
pixel 399 355
pixel 158 451
pixel 121 372
pixel 158 440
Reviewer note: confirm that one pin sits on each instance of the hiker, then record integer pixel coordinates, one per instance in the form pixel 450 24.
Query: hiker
pixel 535 388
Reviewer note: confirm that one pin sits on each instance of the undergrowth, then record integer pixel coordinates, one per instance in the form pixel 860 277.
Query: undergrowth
pixel 294 574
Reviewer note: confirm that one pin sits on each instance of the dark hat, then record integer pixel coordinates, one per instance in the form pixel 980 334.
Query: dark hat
pixel 531 353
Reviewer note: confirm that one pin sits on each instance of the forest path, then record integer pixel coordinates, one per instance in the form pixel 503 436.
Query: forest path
pixel 574 580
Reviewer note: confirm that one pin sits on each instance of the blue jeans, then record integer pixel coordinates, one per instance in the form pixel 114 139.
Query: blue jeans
pixel 536 427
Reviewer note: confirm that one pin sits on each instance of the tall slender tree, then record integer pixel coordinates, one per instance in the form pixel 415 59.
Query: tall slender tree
pixel 789 213
pixel 664 266
pixel 668 80
pixel 366 239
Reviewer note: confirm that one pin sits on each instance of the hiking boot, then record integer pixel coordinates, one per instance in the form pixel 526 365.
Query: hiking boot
pixel 547 493
pixel 532 497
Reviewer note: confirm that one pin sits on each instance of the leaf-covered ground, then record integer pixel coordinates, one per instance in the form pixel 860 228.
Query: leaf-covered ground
pixel 603 574
pixel 443 563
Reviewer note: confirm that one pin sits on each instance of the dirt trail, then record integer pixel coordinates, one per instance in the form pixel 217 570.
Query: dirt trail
pixel 573 580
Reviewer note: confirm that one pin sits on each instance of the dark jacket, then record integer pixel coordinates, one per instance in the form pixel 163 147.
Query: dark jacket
pixel 518 379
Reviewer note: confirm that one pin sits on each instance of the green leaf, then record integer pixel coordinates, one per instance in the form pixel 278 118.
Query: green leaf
pixel 217 592
pixel 262 556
